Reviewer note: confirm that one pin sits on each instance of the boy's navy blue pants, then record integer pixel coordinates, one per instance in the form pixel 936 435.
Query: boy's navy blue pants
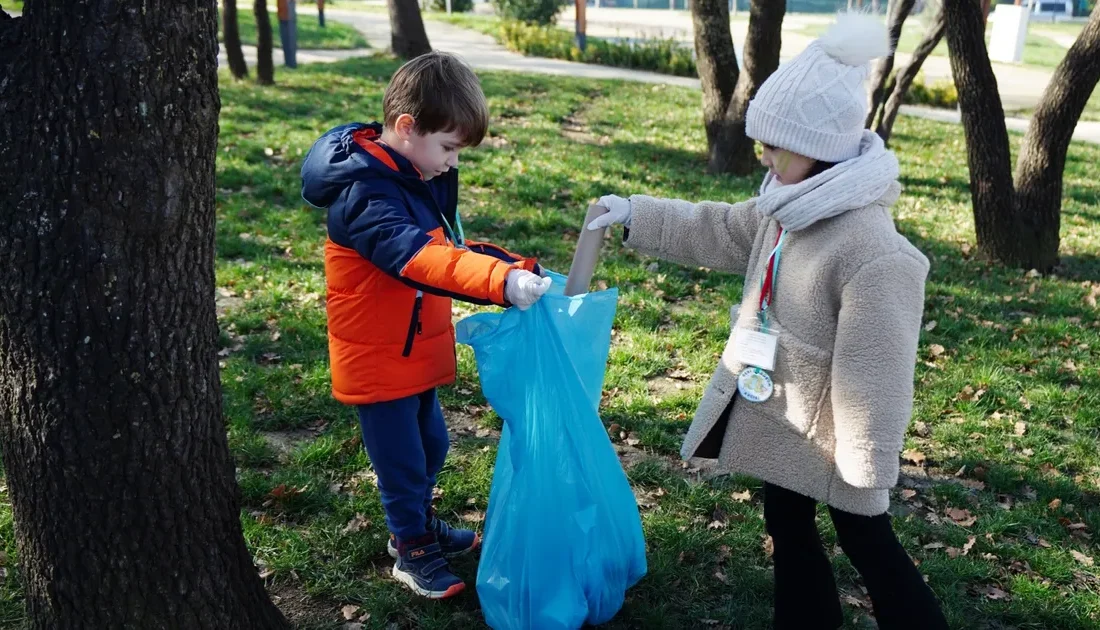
pixel 407 442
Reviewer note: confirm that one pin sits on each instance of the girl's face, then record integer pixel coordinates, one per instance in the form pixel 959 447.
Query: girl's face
pixel 787 168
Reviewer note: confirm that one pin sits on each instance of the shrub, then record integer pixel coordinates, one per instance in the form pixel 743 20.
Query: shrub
pixel 541 12
pixel 666 56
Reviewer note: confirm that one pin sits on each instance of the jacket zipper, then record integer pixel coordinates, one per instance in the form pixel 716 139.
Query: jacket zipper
pixel 415 327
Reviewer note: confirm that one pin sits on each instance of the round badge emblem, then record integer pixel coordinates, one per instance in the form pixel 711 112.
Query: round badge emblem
pixel 755 385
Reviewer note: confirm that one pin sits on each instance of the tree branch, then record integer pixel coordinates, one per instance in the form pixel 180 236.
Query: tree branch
pixel 905 77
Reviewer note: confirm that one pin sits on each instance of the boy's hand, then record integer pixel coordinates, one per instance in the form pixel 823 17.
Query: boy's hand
pixel 523 288
pixel 619 212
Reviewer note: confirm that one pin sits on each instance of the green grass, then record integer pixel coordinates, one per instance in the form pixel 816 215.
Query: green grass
pixel 12 5
pixel 335 36
pixel 997 331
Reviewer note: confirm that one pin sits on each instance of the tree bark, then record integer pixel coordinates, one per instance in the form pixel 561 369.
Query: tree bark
pixel 716 64
pixel 265 65
pixel 1042 160
pixel 899 10
pixel 1017 222
pixel 231 36
pixel 726 92
pixel 999 231
pixel 122 486
pixel 909 74
pixel 408 38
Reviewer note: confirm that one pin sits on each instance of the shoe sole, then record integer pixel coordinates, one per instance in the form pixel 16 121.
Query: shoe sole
pixel 450 556
pixel 409 581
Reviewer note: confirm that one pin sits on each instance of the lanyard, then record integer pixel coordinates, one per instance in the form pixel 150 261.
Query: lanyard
pixel 767 282
pixel 459 237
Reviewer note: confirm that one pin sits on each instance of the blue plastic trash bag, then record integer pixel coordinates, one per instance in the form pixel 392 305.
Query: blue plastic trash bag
pixel 563 537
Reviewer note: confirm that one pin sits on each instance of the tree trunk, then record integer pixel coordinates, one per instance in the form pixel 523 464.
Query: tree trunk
pixel 265 65
pixel 122 486
pixel 899 11
pixel 999 232
pixel 408 39
pixel 909 74
pixel 762 44
pixel 1043 153
pixel 231 36
pixel 716 64
pixel 727 92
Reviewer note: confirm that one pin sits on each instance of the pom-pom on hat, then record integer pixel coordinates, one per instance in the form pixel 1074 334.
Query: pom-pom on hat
pixel 816 104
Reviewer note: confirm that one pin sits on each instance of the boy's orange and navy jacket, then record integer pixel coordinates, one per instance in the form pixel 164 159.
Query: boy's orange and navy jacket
pixel 392 265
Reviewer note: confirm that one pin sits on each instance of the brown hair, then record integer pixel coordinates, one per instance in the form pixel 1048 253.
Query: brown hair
pixel 819 167
pixel 441 93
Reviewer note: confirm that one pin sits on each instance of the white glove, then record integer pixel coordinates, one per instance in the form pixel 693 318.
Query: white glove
pixel 619 212
pixel 523 288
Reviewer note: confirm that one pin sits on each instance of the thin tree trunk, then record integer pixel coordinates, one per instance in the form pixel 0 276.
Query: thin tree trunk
pixel 716 63
pixel 1042 158
pixel 231 36
pixel 122 486
pixel 909 74
pixel 265 65
pixel 999 232
pixel 736 153
pixel 899 11
pixel 408 38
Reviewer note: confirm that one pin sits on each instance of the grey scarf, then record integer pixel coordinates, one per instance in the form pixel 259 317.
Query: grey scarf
pixel 864 180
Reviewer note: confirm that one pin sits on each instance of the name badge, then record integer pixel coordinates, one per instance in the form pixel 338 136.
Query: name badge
pixel 755 348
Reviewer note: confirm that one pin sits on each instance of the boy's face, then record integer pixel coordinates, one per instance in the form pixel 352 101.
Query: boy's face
pixel 435 153
pixel 431 153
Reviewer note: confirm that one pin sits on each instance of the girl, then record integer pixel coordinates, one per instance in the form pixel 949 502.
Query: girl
pixel 814 390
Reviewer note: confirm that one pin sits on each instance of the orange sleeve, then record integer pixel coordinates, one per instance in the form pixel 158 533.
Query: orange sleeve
pixel 461 273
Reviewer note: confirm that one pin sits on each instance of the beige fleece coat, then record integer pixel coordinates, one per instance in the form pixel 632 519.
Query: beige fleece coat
pixel 847 308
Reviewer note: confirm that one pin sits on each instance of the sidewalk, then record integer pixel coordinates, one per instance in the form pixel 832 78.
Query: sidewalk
pixel 483 52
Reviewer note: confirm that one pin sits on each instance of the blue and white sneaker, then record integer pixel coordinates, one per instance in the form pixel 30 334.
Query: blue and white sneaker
pixel 422 568
pixel 453 542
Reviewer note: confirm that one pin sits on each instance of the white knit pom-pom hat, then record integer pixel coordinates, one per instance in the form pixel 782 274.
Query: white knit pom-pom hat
pixel 815 104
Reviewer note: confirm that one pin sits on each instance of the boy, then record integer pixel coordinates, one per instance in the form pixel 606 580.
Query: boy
pixel 394 259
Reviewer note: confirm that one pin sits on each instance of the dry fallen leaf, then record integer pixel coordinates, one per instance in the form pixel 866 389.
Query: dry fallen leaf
pixel 908 494
pixel 922 429
pixel 742 497
pixel 1021 428
pixel 1082 558
pixel 354 525
pixel 991 592
pixel 473 516
pixel 913 455
pixel 1055 504
pixel 961 517
pixel 934 545
pixel 930 326
pixel 937 350
pixel 954 552
pixel 970 542
pixel 349 611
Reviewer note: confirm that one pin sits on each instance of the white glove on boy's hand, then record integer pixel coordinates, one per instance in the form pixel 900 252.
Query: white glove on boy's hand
pixel 619 212
pixel 523 288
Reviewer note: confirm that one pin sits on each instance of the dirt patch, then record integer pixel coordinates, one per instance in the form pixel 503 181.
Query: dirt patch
pixel 662 386
pixel 226 300
pixel 464 423
pixel 286 442
pixel 303 610
pixel 574 128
